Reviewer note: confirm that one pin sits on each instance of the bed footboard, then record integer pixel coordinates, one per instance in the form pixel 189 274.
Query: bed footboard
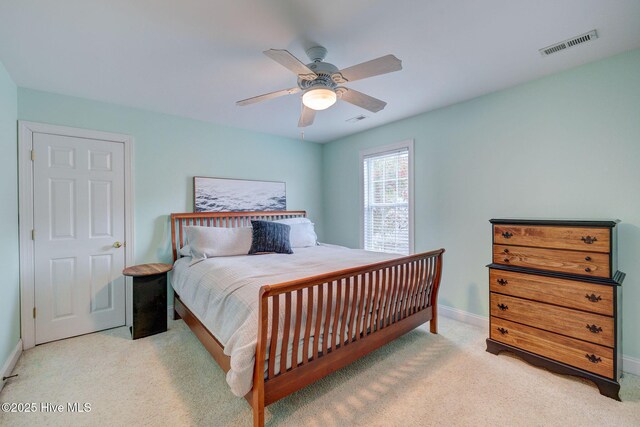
pixel 333 319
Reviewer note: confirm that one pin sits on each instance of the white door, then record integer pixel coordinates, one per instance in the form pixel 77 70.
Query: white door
pixel 78 204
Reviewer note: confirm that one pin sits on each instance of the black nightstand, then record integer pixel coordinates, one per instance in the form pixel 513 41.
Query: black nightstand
pixel 149 298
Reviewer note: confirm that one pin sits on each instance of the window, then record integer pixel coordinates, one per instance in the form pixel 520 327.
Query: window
pixel 387 187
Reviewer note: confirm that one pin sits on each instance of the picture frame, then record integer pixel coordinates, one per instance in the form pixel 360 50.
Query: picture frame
pixel 212 194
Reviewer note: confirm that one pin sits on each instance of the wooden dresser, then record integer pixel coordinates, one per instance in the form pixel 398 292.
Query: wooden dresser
pixel 555 297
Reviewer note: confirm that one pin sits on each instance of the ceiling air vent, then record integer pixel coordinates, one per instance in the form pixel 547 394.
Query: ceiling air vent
pixel 356 118
pixel 574 41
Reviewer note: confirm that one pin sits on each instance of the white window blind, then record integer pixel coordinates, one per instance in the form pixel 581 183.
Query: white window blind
pixel 386 201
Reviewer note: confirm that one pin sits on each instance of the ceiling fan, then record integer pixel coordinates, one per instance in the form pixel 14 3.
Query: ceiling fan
pixel 320 82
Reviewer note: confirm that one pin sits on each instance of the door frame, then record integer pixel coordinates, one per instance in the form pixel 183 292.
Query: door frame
pixel 25 215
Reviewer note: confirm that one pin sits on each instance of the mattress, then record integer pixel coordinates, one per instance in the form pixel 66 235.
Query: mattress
pixel 223 294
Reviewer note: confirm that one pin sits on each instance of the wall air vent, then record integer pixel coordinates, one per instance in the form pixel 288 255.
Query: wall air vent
pixel 574 41
pixel 356 119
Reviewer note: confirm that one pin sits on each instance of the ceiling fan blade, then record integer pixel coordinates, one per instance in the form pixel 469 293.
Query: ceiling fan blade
pixel 375 67
pixel 287 60
pixel 306 117
pixel 361 100
pixel 266 96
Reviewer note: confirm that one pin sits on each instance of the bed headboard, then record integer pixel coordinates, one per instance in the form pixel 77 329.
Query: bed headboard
pixel 220 219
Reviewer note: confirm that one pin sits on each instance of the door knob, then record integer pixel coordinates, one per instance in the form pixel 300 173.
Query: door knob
pixel 117 245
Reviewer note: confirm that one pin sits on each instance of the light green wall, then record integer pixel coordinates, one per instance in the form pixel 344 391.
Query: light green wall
pixel 9 284
pixel 564 146
pixel 169 151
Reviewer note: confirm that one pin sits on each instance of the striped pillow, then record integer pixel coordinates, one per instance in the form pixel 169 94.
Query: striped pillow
pixel 270 237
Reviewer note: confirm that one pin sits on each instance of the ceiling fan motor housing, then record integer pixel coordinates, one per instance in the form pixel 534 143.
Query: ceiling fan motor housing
pixel 324 70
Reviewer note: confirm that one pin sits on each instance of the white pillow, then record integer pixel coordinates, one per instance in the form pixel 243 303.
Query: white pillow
pixel 185 250
pixel 207 242
pixel 302 234
pixel 289 221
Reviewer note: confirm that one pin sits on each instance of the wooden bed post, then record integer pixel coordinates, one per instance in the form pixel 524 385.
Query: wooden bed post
pixel 257 404
pixel 433 324
pixel 257 392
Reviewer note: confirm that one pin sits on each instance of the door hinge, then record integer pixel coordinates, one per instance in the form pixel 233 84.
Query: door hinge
pixel 34 312
pixel 33 234
pixel 33 155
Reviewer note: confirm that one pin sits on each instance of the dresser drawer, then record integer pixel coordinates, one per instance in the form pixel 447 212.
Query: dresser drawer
pixel 575 238
pixel 577 324
pixel 568 293
pixel 590 357
pixel 572 262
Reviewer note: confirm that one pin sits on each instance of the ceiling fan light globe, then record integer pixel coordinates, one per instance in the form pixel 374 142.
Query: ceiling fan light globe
pixel 319 99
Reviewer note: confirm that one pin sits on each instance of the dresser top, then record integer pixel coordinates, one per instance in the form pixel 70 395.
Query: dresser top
pixel 557 221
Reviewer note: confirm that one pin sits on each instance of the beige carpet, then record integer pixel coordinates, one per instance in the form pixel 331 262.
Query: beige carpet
pixel 420 379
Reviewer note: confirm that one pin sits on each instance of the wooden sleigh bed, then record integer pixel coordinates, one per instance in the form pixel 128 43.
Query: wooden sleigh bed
pixel 399 295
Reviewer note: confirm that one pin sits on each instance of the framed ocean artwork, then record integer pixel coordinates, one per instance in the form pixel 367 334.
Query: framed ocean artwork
pixel 238 195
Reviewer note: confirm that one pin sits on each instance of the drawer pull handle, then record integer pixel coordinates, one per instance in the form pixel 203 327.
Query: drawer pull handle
pixel 589 240
pixel 502 331
pixel 507 235
pixel 593 297
pixel 587 258
pixel 595 329
pixel 503 282
pixel 503 307
pixel 506 251
pixel 588 270
pixel 506 260
pixel 593 358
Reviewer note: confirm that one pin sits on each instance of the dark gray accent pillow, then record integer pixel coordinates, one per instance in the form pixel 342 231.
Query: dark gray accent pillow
pixel 270 237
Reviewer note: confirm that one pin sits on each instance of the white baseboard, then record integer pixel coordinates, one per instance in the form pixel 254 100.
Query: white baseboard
pixel 170 311
pixel 10 363
pixel 463 316
pixel 630 365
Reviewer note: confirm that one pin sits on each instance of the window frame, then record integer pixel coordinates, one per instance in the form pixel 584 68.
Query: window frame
pixel 381 150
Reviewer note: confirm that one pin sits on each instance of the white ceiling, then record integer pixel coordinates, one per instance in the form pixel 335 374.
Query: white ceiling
pixel 195 58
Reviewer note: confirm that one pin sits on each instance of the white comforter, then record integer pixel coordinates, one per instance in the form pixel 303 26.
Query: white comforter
pixel 223 294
